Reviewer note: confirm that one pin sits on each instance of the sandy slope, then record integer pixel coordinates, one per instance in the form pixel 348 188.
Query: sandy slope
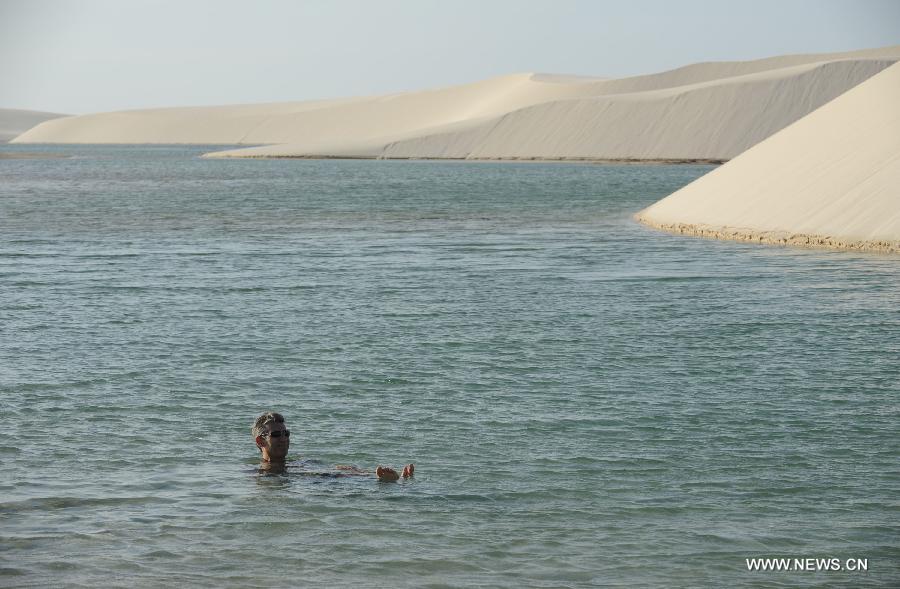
pixel 831 179
pixel 708 120
pixel 702 111
pixel 14 122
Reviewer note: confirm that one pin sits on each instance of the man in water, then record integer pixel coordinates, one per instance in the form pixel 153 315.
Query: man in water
pixel 273 440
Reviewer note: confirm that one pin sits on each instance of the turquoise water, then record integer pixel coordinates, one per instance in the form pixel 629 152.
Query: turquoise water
pixel 588 402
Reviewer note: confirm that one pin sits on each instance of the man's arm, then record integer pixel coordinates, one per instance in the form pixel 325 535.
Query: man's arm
pixel 384 473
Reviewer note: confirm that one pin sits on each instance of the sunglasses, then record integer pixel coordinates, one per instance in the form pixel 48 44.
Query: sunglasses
pixel 277 434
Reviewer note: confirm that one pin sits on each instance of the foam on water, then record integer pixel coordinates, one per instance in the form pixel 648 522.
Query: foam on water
pixel 588 402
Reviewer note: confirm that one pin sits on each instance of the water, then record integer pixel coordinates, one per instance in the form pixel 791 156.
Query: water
pixel 588 402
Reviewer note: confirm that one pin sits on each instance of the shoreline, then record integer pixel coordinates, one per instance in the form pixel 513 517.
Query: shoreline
pixel 563 160
pixel 776 238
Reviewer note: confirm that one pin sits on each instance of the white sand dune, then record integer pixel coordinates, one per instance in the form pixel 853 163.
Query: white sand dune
pixel 14 122
pixel 708 120
pixel 832 179
pixel 702 111
pixel 657 117
pixel 330 122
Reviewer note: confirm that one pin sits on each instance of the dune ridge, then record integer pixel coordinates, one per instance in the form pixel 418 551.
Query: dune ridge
pixel 701 112
pixel 831 179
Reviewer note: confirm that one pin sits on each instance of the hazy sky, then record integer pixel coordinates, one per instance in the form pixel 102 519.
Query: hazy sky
pixel 91 55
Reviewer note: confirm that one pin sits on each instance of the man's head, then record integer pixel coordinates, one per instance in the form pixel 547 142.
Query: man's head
pixel 271 436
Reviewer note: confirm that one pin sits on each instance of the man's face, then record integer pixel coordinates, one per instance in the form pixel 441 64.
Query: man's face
pixel 276 441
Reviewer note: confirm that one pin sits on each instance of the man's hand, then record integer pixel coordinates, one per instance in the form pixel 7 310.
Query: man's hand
pixel 389 475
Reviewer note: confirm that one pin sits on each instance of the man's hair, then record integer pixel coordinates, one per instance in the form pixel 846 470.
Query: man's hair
pixel 259 426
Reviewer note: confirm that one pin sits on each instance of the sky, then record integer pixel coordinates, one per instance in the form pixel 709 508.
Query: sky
pixel 84 56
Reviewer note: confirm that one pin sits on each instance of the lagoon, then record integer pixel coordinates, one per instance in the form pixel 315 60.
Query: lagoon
pixel 588 402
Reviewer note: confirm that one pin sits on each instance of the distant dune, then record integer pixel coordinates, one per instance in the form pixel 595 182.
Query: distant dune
pixel 708 111
pixel 832 179
pixel 14 122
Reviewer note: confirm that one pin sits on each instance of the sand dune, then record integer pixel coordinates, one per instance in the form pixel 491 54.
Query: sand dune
pixel 832 179
pixel 712 119
pixel 14 122
pixel 708 120
pixel 331 122
pixel 702 111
